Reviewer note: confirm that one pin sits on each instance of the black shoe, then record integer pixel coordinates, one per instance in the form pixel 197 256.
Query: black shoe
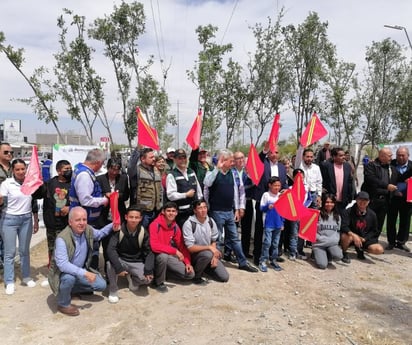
pixel 248 268
pixel 230 258
pixel 403 247
pixel 249 256
pixel 346 258
pixel 162 288
pixel 200 281
pixel 280 259
pixel 360 254
pixel 390 246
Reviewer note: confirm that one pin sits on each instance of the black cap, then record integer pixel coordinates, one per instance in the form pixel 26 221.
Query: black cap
pixel 362 195
pixel 180 153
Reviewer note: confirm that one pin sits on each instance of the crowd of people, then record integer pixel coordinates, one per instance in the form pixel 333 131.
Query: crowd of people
pixel 178 216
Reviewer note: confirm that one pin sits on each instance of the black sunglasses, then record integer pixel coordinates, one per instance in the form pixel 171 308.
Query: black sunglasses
pixel 8 152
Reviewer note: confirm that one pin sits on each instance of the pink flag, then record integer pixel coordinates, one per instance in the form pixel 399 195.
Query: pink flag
pixel 33 179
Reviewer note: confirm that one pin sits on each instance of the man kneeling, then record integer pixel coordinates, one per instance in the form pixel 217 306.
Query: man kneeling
pixel 360 227
pixel 129 254
pixel 70 271
pixel 200 234
pixel 167 244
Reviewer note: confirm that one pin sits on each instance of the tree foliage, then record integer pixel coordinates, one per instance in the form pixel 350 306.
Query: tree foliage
pixel 78 84
pixel 269 78
pixel 307 50
pixel 207 76
pixel 44 99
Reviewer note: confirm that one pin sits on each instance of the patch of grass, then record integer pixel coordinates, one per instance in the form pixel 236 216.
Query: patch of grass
pixel 366 337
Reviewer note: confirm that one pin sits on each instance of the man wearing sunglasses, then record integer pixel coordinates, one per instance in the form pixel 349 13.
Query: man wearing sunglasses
pixel 6 155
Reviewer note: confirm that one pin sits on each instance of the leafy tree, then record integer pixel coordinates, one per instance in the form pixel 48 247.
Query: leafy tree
pixel 378 100
pixel 340 84
pixel 404 117
pixel 207 76
pixel 234 99
pixel 268 79
pixel 120 32
pixel 307 50
pixel 43 101
pixel 77 82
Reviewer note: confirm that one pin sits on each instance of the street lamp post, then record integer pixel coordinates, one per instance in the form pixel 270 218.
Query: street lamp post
pixel 398 27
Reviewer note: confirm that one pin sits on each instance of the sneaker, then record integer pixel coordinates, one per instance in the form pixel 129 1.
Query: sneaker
pixel 360 254
pixel 263 267
pixel 345 258
pixel 113 298
pixel 390 246
pixel 302 256
pixel 403 247
pixel 162 288
pixel 132 287
pixel 275 266
pixel 200 281
pixel 29 282
pixel 248 268
pixel 292 257
pixel 10 289
pixel 230 258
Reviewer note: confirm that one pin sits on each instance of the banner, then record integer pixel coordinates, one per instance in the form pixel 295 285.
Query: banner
pixel 314 131
pixel 254 166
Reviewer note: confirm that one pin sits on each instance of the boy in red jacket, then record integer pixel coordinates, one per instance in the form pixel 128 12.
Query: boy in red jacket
pixel 167 244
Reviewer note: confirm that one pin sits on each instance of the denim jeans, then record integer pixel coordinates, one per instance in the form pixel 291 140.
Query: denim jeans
pixel 225 220
pixel 70 284
pixel 13 227
pixel 270 244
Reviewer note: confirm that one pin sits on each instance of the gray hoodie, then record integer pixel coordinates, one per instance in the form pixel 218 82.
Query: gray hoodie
pixel 202 235
pixel 328 232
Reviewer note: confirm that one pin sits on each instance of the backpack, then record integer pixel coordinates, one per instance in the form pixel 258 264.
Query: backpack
pixel 140 236
pixel 194 224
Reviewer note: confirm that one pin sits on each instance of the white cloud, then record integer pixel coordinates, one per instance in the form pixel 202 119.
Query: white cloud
pixel 353 25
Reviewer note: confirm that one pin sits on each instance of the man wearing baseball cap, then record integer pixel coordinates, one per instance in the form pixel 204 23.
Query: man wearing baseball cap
pixel 170 155
pixel 360 228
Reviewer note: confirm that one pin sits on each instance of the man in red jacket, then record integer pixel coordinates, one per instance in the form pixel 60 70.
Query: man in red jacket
pixel 167 244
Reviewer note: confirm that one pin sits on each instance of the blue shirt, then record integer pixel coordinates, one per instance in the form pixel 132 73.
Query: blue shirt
pixel 75 266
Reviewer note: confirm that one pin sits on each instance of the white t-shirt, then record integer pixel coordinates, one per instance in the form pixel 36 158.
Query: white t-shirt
pixel 17 202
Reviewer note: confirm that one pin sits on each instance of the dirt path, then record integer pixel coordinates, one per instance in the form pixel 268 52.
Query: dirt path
pixel 366 302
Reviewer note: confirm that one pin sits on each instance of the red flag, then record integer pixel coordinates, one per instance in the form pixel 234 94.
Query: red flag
pixel 409 189
pixel 308 224
pixel 274 134
pixel 147 135
pixel 288 206
pixel 298 188
pixel 254 165
pixel 32 180
pixel 193 137
pixel 114 208
pixel 314 131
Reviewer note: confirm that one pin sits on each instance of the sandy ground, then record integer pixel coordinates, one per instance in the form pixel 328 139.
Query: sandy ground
pixel 366 302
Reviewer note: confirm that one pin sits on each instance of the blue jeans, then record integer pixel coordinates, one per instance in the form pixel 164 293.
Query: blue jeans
pixel 20 226
pixel 70 284
pixel 270 244
pixel 226 220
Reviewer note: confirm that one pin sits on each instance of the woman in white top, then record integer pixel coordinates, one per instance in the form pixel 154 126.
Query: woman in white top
pixel 17 221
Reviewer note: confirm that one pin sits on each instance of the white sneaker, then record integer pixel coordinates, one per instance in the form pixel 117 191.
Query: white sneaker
pixel 29 282
pixel 10 289
pixel 113 299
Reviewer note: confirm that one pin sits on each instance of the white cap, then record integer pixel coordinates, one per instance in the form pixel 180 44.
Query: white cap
pixel 170 149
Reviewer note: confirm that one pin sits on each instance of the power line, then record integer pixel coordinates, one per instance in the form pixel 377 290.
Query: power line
pixel 229 21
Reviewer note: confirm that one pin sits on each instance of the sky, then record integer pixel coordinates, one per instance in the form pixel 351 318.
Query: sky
pixel 170 36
